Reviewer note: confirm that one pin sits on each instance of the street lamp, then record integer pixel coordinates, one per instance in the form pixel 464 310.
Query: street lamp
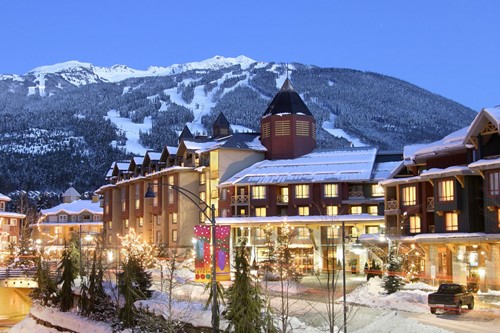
pixel 203 209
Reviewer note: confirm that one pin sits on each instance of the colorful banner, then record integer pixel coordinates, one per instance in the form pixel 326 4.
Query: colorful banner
pixel 203 257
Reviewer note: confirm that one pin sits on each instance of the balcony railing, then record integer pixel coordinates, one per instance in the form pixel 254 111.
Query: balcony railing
pixel 241 199
pixel 356 194
pixel 430 204
pixel 391 207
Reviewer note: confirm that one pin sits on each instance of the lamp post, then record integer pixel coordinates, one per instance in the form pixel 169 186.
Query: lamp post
pixel 203 209
pixel 343 278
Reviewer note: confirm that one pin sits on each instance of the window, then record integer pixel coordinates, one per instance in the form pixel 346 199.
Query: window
pixel 63 218
pixel 13 239
pixel 170 191
pixel 174 235
pixel 125 223
pixel 203 178
pixel 409 195
pixel 13 222
pixel 157 219
pixel 223 194
pixel 73 218
pixel 283 195
pixel 377 190
pixel 258 192
pixel 332 232
pixel 451 221
pixel 266 130
pixel 446 190
pixel 303 233
pixel 172 217
pixel 58 230
pixel 137 196
pixel 97 218
pixel 155 198
pixel 331 190
pixel 372 229
pixel 203 197
pixel 302 191
pixel 158 236
pixel 110 225
pixel 141 222
pixel 110 239
pixel 124 198
pixel 2 206
pixel 332 210
pixel 372 210
pixel 498 217
pixel 415 227
pixel 494 183
pixel 356 210
pixel 303 210
pixel 260 233
pixel 260 211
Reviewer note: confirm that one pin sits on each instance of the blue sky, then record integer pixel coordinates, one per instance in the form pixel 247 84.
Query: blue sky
pixel 450 47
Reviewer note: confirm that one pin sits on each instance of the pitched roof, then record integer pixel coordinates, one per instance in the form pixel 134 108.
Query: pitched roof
pixel 287 101
pixel 75 207
pixel 350 164
pixel 4 197
pixel 71 192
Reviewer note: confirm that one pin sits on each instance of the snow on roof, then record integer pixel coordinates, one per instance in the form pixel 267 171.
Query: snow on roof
pixel 450 236
pixel 450 171
pixel 452 141
pixel 172 150
pixel 483 117
pixel 69 224
pixel 486 164
pixel 4 197
pixel 300 219
pixel 154 156
pixel 71 192
pixel 122 166
pixel 12 214
pixel 350 164
pixel 385 170
pixel 75 207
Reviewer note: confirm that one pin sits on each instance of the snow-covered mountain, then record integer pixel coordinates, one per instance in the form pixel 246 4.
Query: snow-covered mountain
pixel 81 117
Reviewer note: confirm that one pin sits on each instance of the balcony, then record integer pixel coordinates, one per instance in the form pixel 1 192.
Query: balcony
pixel 241 199
pixel 391 207
pixel 356 194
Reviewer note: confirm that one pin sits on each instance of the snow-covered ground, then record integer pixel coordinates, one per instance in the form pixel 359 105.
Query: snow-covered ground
pixel 372 311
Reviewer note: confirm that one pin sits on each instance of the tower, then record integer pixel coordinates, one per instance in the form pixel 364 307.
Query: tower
pixel 288 128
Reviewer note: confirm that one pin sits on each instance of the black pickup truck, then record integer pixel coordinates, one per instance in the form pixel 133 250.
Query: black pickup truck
pixel 450 296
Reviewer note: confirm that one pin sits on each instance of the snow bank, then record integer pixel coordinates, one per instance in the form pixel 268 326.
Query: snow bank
pixel 392 322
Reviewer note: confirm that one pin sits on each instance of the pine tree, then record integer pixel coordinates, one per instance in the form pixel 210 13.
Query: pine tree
pixel 244 303
pixel 46 285
pixel 68 271
pixel 392 281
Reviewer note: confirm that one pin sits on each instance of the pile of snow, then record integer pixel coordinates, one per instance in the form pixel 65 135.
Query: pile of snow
pixel 392 322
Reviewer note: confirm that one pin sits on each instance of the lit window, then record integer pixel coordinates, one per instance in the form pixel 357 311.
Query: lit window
pixel 302 191
pixel 158 220
pixel 498 217
pixel 155 198
pixel 356 210
pixel 372 229
pixel 332 232
pixel 494 183
pixel 170 191
pixel 332 210
pixel 173 218
pixel 202 178
pixel 377 190
pixel 331 190
pixel 415 227
pixel 451 221
pixel 58 230
pixel 283 195
pixel 304 210
pixel 372 210
pixel 141 221
pixel 110 225
pixel 137 196
pixel 174 235
pixel 409 194
pixel 260 211
pixel 445 190
pixel 110 239
pixel 125 223
pixel 124 198
pixel 259 233
pixel 303 233
pixel 13 222
pixel 13 239
pixel 258 192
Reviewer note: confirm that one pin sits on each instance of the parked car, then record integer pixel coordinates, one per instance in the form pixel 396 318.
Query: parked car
pixel 451 296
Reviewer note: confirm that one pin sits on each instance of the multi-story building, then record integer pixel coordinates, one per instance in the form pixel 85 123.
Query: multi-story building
pixel 74 216
pixel 443 206
pixel 270 180
pixel 10 223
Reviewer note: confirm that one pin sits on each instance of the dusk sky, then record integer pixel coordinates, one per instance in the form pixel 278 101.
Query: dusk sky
pixel 449 47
